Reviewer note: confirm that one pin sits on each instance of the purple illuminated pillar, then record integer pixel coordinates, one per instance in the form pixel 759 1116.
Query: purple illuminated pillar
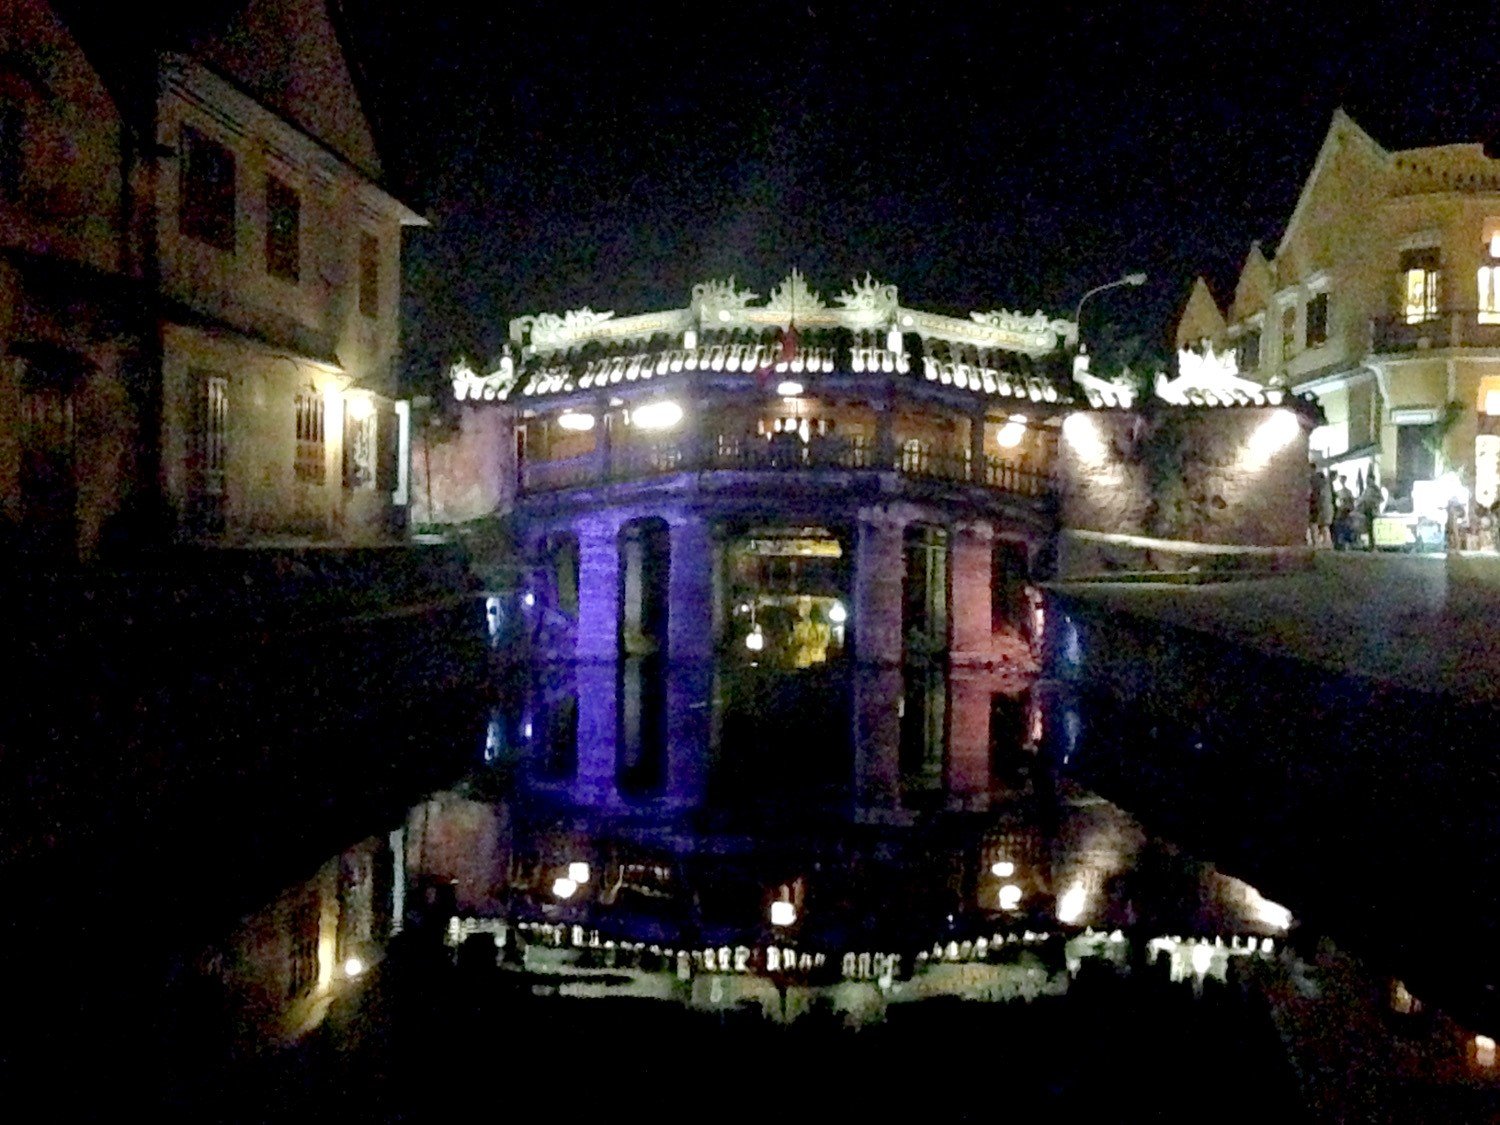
pixel 878 572
pixel 972 559
pixel 598 588
pixel 689 732
pixel 690 590
pixel 968 740
pixel 598 726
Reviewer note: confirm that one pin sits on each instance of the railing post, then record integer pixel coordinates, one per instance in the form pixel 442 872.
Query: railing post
pixel 976 447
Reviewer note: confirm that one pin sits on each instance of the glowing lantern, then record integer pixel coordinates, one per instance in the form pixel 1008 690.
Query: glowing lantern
pixel 837 613
pixel 755 640
pixel 353 967
pixel 1070 906
pixel 783 914
pixel 1012 432
pixel 789 388
pixel 1003 869
pixel 578 872
pixel 1484 1051
pixel 564 888
pixel 1010 896
pixel 660 415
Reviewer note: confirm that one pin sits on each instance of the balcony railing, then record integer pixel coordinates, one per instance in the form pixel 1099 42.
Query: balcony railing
pixel 757 455
pixel 1457 328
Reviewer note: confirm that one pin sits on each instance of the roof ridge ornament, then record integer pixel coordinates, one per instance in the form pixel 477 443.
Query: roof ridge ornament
pixel 869 296
pixel 793 296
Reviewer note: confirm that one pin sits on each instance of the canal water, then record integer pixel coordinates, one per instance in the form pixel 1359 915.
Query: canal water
pixel 644 889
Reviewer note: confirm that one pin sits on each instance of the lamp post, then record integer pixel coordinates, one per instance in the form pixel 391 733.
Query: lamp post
pixel 1128 279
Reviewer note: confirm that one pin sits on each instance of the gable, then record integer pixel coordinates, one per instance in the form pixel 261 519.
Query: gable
pixel 287 53
pixel 1346 179
pixel 1252 293
pixel 1201 319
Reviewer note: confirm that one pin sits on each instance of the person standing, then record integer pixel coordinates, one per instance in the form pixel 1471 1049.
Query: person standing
pixel 1371 502
pixel 1343 514
pixel 1323 515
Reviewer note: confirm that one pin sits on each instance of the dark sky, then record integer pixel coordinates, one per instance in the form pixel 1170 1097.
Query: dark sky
pixel 977 156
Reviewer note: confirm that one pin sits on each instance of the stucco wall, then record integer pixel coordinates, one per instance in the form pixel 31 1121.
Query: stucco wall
pixel 464 473
pixel 1233 475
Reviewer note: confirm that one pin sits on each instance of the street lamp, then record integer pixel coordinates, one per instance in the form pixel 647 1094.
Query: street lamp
pixel 1128 279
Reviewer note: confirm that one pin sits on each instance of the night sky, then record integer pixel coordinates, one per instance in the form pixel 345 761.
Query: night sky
pixel 978 157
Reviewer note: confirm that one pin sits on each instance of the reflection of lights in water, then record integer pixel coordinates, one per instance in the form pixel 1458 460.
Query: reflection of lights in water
pixel 837 613
pixel 1072 723
pixel 564 887
pixel 492 613
pixel 528 599
pixel 578 872
pixel 789 388
pixel 1070 906
pixel 526 730
pixel 1072 652
pixel 1484 1051
pixel 1003 868
pixel 783 914
pixel 755 640
pixel 1203 958
pixel 1010 896
pixel 353 966
pixel 492 739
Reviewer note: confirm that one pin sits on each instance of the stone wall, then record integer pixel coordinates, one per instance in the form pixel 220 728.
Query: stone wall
pixel 463 473
pixel 1230 476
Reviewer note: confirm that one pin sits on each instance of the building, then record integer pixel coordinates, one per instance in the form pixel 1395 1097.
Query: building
pixel 790 482
pixel 1383 300
pixel 204 271
pixel 783 481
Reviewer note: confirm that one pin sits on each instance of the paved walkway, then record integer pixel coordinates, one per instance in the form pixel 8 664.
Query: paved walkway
pixel 1425 622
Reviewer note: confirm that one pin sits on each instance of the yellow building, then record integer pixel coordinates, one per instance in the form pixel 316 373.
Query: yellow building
pixel 1383 300
pixel 221 343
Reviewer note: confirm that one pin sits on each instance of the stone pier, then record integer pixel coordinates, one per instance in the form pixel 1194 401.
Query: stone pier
pixel 598 588
pixel 879 567
pixel 971 555
pixel 691 589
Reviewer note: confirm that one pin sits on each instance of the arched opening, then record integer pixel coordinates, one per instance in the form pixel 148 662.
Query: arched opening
pixel 645 565
pixel 641 757
pixel 788 596
pixel 924 621
pixel 1010 571
pixel 560 571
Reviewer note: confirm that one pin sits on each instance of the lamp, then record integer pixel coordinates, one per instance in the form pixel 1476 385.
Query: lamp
pixel 1132 279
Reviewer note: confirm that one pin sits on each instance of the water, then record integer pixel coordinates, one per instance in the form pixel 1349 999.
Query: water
pixel 616 887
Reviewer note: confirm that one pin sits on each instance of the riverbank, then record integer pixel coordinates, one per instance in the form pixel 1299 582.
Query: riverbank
pixel 1418 622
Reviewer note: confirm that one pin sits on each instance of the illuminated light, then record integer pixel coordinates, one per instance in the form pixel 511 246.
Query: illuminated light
pixel 564 887
pixel 1203 958
pixel 353 966
pixel 1275 433
pixel 1070 906
pixel 660 415
pixel 1003 869
pixel 1010 897
pixel 1011 433
pixel 689 339
pixel 837 613
pixel 578 872
pixel 1484 1051
pixel 755 640
pixel 907 321
pixel 526 731
pixel 1269 913
pixel 789 388
pixel 1082 433
pixel 724 316
pixel 580 423
pixel 358 407
pixel 528 599
pixel 783 914
pixel 893 339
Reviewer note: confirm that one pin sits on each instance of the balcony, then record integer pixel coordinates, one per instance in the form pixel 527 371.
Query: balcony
pixel 757 456
pixel 1458 328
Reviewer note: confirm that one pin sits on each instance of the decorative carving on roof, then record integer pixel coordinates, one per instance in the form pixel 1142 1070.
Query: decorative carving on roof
pixel 1007 321
pixel 793 296
pixel 869 296
pixel 548 330
pixel 711 296
pixel 1209 378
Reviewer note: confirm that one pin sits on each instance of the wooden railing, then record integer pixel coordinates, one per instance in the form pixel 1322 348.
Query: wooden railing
pixel 1451 328
pixel 733 454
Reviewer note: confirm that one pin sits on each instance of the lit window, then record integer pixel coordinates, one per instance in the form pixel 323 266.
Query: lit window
pixel 210 452
pixel 1489 283
pixel 1421 278
pixel 283 231
pixel 1317 320
pixel 369 275
pixel 206 206
pixel 308 466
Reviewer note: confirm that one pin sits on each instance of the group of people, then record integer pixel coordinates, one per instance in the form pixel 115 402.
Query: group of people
pixel 1339 518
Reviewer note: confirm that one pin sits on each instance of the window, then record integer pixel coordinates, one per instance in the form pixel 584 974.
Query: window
pixel 359 442
pixel 210 452
pixel 1416 453
pixel 1247 351
pixel 283 231
pixel 1288 331
pixel 12 137
pixel 369 275
pixel 1489 282
pixel 1420 280
pixel 1317 320
pixel 206 206
pixel 308 466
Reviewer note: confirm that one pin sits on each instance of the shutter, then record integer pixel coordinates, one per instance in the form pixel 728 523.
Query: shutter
pixel 388 441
